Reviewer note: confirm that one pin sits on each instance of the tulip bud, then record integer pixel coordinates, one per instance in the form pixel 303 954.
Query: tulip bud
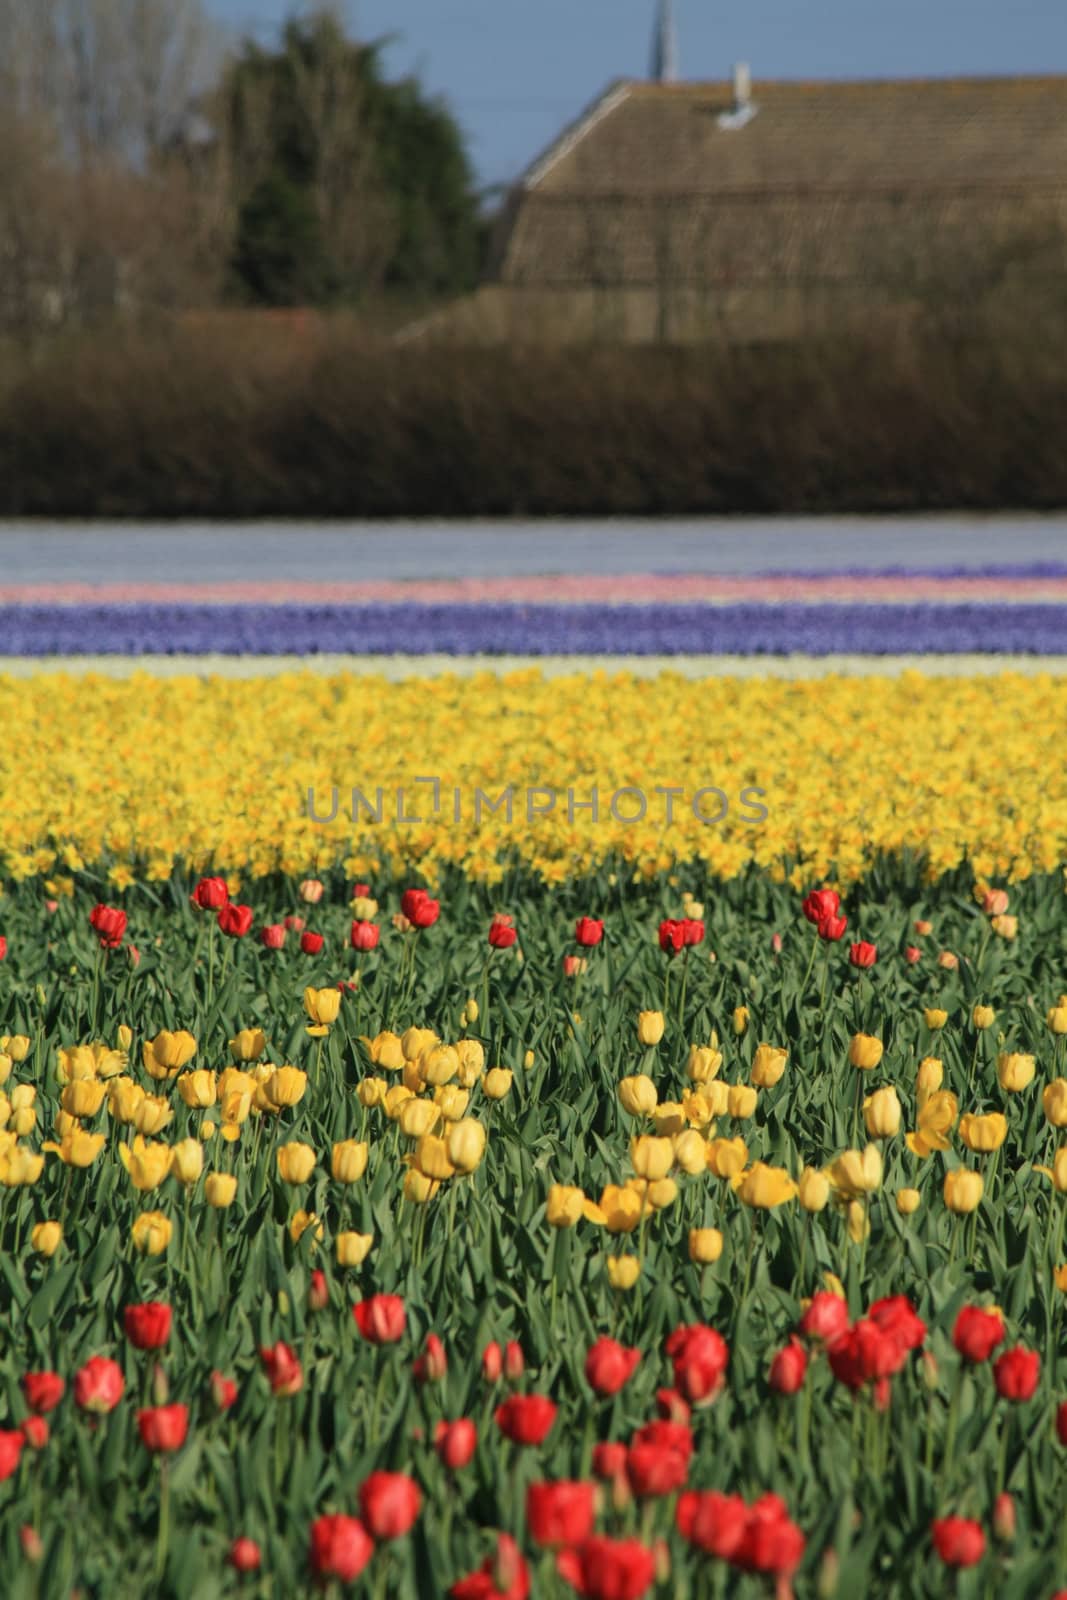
pixel 829 1575
pixel 514 1361
pixel 318 1291
pixel 160 1386
pixel 492 1362
pixel 32 1546
pixel 1004 1518
pixel 705 1245
pixel 928 1370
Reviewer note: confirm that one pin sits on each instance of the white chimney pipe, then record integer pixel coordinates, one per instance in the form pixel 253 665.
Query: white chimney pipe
pixel 742 85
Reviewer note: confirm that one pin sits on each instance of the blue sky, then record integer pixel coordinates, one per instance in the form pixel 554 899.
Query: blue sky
pixel 515 71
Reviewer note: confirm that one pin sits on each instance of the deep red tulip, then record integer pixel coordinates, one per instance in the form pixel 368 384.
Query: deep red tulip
pixel 318 1291
pixel 163 1428
pixel 492 1362
pixel 608 1569
pixel 820 904
pixel 1061 1422
pixel 389 1503
pixel 98 1386
pixel 381 1319
pixel 272 935
pixel 42 1390
pixel 244 1555
pixel 588 931
pixel 671 936
pixel 340 1548
pixel 560 1513
pixel 825 1318
pixel 714 1522
pixel 609 1365
pixel 862 954
pixel 432 1365
pixel 958 1541
pixel 420 910
pixel 977 1332
pixel 282 1367
pixel 865 1353
pixel 224 1390
pixel 771 1542
pixel 657 1462
pixel 503 1576
pixel 109 925
pixel 692 931
pixel 211 894
pixel 609 1460
pixel 788 1368
pixel 1016 1373
pixel 311 943
pixel 502 935
pixel 831 928
pixel 3 946
pixel 897 1316
pixel 365 935
pixel 11 1442
pixel 526 1418
pixel 35 1432
pixel 700 1356
pixel 147 1326
pixel 235 920
pixel 455 1442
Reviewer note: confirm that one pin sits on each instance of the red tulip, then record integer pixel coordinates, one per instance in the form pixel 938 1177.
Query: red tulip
pixel 526 1418
pixel 163 1428
pixel 1004 1518
pixel 318 1291
pixel 98 1386
pixel 912 954
pixel 820 904
pixel 896 1316
pixel 514 1361
pixel 560 1513
pixel 211 894
pixel 609 1365
pixel 272 936
pixel 771 1542
pixel 831 928
pixel 420 910
pixel 32 1545
pixel 11 1442
pixel 588 931
pixel 340 1548
pixel 381 1319
pixel 700 1356
pixel 977 1332
pixel 865 1353
pixel 657 1462
pixel 293 924
pixel 235 920
pixel 502 935
pixel 365 935
pixel 492 1362
pixel 42 1390
pixel 224 1390
pixel 1016 1372
pixel 504 1576
pixel 671 936
pixel 389 1503
pixel 958 1541
pixel 432 1365
pixel 608 1569
pixel 455 1442
pixel 35 1432
pixel 283 1368
pixel 244 1555
pixel 572 965
pixel 776 943
pixel 714 1522
pixel 825 1318
pixel 672 1406
pixel 3 947
pixel 1061 1422
pixel 692 931
pixel 862 954
pixel 311 943
pixel 788 1368
pixel 609 1460
pixel 109 925
pixel 147 1326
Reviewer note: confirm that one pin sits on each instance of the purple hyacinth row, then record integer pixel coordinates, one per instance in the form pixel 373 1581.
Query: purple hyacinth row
pixel 814 630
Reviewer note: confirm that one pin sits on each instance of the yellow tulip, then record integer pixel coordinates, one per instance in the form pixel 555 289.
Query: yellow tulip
pixel 353 1248
pixel 1058 1171
pixel 147 1164
pixel 83 1097
pixel 650 1027
pixel 248 1045
pixel 983 1016
pixel 6 1066
pixel 703 1063
pixel 963 1190
pixel 934 1018
pixel 742 1101
pixel 394 1099
pixel 151 1233
pixel 415 1040
pixel 385 1051
pixel 1005 927
pixel 740 1019
pixel 564 1205
pixel 372 1092
pixel 348 1160
pixel 296 1162
pixel 208 1129
pixel 1054 1100
pixel 1015 1072
pixel 417 1117
pixel 864 1051
pixel 199 1089
pixel 77 1062
pixel 528 1060
pixel 152 1114
pixel 497 1082
pixel 813 1189
pixel 302 1222
pixel 656 1195
pixel 768 1066
pixel 620 1209
pixel 623 1271
pixel 20 1167
pixel 690 1152
pixel 705 1246
pixel 418 1188
pixel 471 1054
pixel 78 1148
pixel 285 1087
pixel 431 1158
pixel 936 1118
pixel 928 1078
pixel 322 1006
pixel 669 1118
pixel 638 1095
pixel 124 1037
pixel 652 1158
pixel 166 1054
pixel 123 1098
pixel 187 1161
pixel 881 1113
pixel 439 1064
pixel 984 1133
pixel 363 908
pixel 856 1172
pixel 908 1201
pixel 17 1046
pixel 857 1220
pixel 764 1187
pixel 466 1144
pixel 727 1157
pixel 220 1188
pixel 451 1101
pixel 1057 1016
pixel 46 1238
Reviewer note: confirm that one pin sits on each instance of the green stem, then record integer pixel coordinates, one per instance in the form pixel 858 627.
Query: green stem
pixel 164 1519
